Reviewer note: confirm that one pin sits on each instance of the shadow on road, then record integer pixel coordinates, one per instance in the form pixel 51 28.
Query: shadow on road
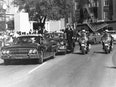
pixel 60 53
pixel 24 62
pixel 79 53
pixel 100 52
pixel 21 62
pixel 112 67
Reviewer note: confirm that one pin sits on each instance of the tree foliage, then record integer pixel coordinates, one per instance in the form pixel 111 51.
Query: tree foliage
pixel 53 9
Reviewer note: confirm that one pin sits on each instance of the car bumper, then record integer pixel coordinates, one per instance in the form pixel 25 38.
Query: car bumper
pixel 61 50
pixel 20 56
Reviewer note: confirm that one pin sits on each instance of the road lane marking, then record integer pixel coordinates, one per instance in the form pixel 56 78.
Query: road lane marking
pixel 31 71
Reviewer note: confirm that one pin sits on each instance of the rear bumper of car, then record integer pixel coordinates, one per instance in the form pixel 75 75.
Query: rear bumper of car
pixel 61 50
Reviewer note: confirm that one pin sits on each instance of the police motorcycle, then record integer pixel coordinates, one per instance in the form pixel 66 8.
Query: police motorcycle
pixel 107 45
pixel 84 47
pixel 84 43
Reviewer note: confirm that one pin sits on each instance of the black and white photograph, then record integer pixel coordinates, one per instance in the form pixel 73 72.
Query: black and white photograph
pixel 57 43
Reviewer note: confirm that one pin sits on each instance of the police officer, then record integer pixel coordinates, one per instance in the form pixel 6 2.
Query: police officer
pixel 69 37
pixel 108 36
pixel 83 34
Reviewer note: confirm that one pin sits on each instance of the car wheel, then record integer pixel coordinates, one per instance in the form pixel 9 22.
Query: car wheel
pixel 41 58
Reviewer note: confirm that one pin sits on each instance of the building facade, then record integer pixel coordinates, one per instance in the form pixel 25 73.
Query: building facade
pixel 103 9
pixel 114 9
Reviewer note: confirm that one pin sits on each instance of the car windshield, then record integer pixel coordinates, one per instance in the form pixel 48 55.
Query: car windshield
pixel 28 39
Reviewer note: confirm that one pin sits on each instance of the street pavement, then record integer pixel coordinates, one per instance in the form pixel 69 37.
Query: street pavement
pixel 95 69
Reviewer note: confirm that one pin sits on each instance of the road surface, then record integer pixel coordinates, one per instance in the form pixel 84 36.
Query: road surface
pixel 71 70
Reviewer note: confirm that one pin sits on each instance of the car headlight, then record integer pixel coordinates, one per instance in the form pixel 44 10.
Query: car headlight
pixel 5 51
pixel 32 51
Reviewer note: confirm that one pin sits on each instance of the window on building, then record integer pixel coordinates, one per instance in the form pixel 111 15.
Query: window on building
pixel 106 3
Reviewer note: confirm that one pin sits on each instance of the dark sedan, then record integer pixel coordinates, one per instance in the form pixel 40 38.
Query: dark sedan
pixel 30 47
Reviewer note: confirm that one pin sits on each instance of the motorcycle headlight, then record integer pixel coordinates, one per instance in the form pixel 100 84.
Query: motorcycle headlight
pixel 32 51
pixel 5 51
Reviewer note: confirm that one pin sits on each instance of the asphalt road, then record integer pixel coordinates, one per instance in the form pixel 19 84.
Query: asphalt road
pixel 71 70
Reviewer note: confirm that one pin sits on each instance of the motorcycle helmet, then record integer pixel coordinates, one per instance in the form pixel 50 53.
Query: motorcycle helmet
pixel 106 30
pixel 83 30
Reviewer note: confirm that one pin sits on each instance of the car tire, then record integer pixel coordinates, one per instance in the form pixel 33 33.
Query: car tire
pixel 41 59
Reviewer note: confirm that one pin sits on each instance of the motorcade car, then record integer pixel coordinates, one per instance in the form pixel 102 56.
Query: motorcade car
pixel 29 47
pixel 59 37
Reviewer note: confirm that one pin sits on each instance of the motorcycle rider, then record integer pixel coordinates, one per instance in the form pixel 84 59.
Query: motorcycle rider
pixel 107 36
pixel 83 34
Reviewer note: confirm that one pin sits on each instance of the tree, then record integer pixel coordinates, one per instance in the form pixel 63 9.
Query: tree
pixel 53 9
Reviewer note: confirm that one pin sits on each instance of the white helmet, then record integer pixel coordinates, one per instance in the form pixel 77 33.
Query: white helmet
pixel 84 31
pixel 106 30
